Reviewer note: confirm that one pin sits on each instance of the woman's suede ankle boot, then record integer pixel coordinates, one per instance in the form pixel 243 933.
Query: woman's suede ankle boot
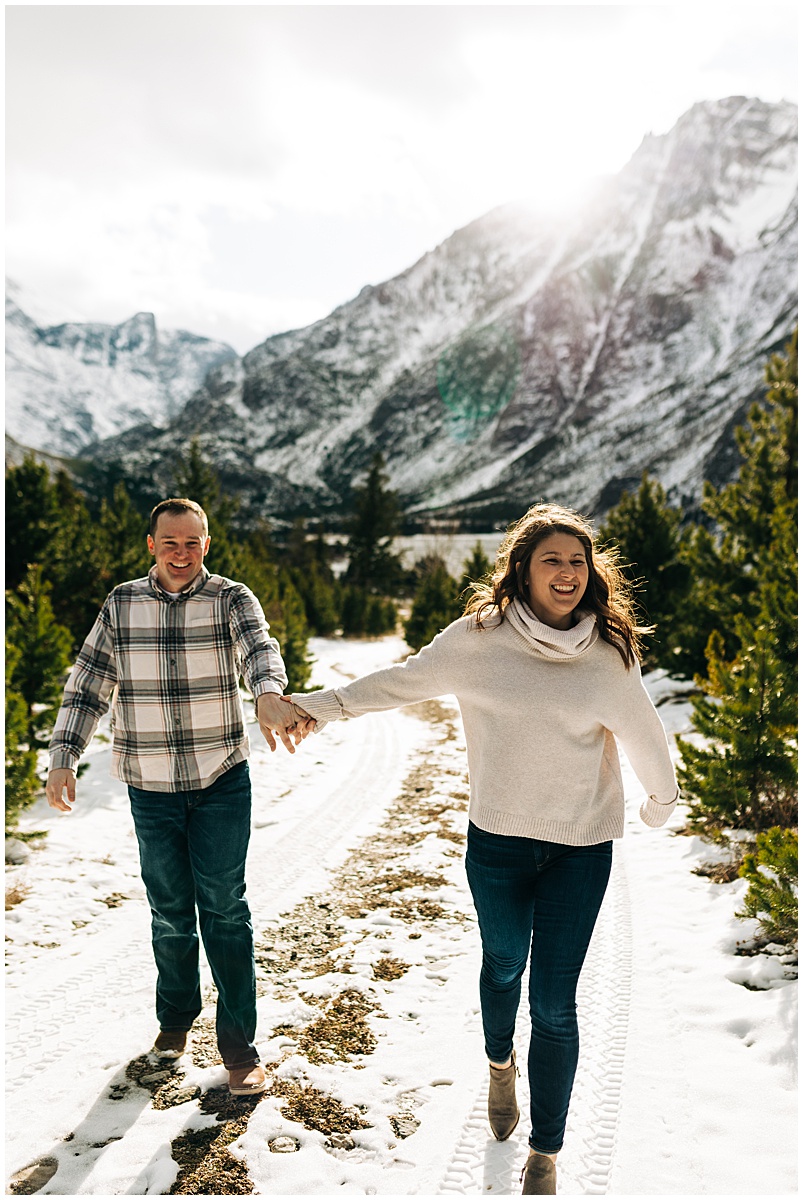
pixel 538 1176
pixel 503 1111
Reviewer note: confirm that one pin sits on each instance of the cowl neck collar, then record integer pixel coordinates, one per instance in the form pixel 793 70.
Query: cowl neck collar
pixel 553 643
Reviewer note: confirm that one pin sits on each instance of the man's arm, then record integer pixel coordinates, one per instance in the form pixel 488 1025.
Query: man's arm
pixel 263 668
pixel 86 699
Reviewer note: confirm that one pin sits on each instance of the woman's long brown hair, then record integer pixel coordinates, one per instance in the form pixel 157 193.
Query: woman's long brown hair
pixel 609 594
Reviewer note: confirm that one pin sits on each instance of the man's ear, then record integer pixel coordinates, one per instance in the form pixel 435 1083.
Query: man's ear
pixel 207 544
pixel 151 544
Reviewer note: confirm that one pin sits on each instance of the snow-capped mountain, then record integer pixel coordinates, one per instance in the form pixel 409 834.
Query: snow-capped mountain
pixel 525 358
pixel 73 384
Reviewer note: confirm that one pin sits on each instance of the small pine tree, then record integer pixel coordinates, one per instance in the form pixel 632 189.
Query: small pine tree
pixel 353 610
pixel 72 563
pixel 772 895
pixel 435 605
pixel 307 562
pixel 726 568
pixel 21 779
pixel 476 568
pixel 375 522
pixel 380 616
pixel 646 530
pixel 32 517
pixel 121 551
pixel 44 651
pixel 290 628
pixel 745 776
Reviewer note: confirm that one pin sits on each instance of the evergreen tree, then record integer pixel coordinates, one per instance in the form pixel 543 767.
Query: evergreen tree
pixel 121 551
pixel 646 530
pixel 21 779
pixel 745 775
pixel 43 648
pixel 353 610
pixel 435 605
pixel 307 563
pixel 476 568
pixel 290 627
pixel 72 565
pixel 32 517
pixel 375 522
pixel 725 567
pixel 380 616
pixel 772 874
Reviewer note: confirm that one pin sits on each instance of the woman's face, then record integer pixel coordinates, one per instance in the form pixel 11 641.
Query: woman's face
pixel 557 576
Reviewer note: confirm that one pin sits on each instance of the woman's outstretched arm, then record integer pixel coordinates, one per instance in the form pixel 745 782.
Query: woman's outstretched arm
pixel 420 677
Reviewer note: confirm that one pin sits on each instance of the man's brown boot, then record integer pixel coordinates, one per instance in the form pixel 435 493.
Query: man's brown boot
pixel 171 1043
pixel 503 1111
pixel 247 1081
pixel 538 1176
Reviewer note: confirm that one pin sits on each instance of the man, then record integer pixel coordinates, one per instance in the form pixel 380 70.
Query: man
pixel 168 651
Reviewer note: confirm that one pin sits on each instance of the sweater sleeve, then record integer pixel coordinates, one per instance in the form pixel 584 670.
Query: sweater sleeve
pixel 635 723
pixel 422 676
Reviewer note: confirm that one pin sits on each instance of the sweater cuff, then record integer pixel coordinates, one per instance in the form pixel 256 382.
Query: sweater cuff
pixel 654 813
pixel 322 706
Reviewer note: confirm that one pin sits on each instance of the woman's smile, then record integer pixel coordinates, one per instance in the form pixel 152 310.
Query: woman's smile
pixel 557 578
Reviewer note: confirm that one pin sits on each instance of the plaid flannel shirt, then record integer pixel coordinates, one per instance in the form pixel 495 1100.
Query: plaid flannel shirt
pixel 170 669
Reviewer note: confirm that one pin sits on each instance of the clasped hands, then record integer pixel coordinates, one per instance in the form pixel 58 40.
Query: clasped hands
pixel 278 714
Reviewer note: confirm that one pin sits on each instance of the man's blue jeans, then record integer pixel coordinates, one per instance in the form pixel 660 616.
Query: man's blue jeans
pixel 192 848
pixel 541 898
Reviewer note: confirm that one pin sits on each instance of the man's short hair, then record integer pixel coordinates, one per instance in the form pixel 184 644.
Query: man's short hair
pixel 176 506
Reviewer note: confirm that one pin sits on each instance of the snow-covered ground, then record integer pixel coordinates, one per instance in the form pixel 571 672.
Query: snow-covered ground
pixel 686 1082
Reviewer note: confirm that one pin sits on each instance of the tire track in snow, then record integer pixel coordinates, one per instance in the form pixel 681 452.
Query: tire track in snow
pixel 481 1166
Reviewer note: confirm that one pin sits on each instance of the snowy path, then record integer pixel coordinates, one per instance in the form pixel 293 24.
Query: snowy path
pixel 680 1067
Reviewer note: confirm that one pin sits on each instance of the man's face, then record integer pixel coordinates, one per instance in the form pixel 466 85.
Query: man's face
pixel 179 545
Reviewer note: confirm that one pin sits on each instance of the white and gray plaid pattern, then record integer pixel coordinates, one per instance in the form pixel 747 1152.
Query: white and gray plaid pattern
pixel 170 669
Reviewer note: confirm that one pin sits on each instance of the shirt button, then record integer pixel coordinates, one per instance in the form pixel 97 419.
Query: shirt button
pixel 178 720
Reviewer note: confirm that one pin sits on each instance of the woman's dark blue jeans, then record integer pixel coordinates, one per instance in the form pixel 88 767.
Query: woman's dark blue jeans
pixel 192 848
pixel 540 898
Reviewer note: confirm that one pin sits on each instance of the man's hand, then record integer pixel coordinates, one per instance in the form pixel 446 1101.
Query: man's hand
pixel 57 781
pixel 305 724
pixel 275 716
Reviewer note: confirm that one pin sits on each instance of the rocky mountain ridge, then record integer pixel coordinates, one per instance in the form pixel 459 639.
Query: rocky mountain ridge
pixel 524 358
pixel 70 385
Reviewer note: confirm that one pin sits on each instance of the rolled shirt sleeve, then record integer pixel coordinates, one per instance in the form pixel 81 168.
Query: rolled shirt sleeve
pixel 258 654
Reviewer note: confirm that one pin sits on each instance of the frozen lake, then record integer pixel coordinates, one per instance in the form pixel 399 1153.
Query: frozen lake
pixel 453 548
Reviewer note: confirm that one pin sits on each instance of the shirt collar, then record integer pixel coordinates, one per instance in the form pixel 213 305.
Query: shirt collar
pixel 190 590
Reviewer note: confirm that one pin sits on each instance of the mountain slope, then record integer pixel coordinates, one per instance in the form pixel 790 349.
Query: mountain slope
pixel 70 385
pixel 525 359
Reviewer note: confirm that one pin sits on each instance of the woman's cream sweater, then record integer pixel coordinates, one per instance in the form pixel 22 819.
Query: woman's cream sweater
pixel 541 708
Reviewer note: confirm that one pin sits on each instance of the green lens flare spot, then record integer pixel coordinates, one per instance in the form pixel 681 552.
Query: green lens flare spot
pixel 477 376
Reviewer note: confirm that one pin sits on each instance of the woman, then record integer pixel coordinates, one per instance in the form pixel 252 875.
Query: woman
pixel 544 665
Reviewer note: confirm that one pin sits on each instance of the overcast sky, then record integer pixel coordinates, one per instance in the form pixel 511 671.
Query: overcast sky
pixel 239 170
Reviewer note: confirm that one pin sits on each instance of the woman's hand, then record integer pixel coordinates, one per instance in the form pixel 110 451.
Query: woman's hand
pixel 273 717
pixel 305 724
